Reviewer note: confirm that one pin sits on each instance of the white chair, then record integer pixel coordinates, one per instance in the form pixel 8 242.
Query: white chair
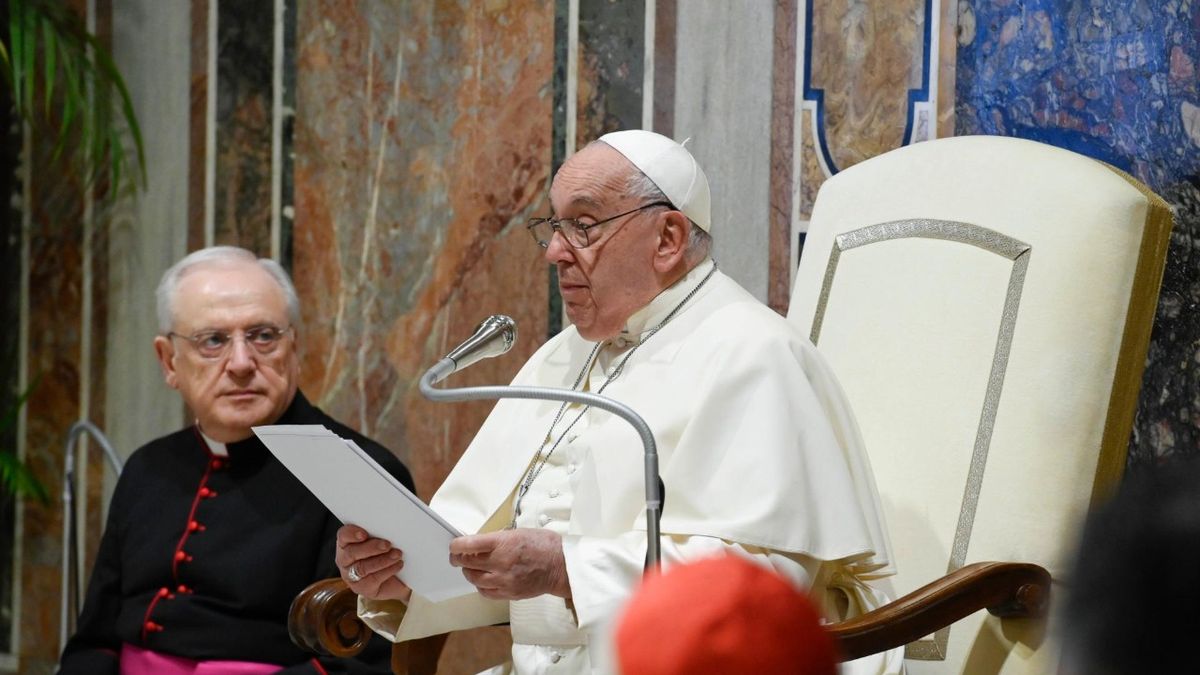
pixel 986 303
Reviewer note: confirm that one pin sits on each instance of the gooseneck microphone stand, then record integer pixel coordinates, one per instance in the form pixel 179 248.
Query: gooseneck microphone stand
pixel 654 499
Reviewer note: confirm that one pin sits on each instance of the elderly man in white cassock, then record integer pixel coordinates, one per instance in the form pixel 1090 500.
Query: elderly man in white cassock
pixel 759 452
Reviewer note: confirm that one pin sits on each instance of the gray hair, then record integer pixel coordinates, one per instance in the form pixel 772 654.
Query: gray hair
pixel 219 255
pixel 699 243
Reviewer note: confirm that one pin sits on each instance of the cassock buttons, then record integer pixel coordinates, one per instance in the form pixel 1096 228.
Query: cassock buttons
pixel 182 556
pixel 218 464
pixel 152 627
pixel 183 589
pixel 194 526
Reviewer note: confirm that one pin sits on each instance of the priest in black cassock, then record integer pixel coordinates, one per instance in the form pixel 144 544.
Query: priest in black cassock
pixel 209 537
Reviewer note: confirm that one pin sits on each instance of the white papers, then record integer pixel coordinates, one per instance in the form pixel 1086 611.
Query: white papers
pixel 359 491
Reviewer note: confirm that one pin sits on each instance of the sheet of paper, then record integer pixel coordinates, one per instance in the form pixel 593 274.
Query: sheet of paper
pixel 359 491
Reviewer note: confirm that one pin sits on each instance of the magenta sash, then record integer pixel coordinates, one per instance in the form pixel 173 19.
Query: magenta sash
pixel 138 661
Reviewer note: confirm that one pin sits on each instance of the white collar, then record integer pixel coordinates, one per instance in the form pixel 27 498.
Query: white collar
pixel 657 309
pixel 217 448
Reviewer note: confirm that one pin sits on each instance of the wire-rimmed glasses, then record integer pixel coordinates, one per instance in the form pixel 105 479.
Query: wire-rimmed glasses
pixel 215 344
pixel 576 233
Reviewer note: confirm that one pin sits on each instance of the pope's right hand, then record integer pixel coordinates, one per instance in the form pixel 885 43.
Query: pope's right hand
pixel 369 565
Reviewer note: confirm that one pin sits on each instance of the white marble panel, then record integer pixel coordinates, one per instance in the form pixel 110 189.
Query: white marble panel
pixel 723 102
pixel 149 46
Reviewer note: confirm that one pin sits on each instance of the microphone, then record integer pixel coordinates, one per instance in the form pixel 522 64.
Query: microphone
pixel 493 336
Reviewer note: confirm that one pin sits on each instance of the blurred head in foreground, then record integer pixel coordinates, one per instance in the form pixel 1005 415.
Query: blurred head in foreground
pixel 722 615
pixel 1135 589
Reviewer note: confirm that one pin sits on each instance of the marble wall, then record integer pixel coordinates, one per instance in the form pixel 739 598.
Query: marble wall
pixel 1117 81
pixel 389 153
pixel 422 145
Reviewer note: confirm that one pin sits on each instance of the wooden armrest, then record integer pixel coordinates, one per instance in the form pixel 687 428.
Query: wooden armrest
pixel 324 619
pixel 1007 590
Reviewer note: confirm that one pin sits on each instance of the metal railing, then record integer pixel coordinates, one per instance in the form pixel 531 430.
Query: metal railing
pixel 70 566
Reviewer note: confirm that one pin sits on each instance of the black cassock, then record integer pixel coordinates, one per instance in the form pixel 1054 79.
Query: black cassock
pixel 202 556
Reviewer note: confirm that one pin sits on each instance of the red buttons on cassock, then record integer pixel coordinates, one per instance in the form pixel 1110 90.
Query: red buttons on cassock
pixel 218 464
pixel 183 589
pixel 205 492
pixel 163 592
pixel 151 626
pixel 194 526
pixel 180 555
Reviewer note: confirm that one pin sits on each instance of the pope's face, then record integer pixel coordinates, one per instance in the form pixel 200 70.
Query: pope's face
pixel 603 284
pixel 242 387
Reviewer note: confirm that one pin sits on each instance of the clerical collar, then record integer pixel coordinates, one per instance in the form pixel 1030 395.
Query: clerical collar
pixel 215 447
pixel 663 304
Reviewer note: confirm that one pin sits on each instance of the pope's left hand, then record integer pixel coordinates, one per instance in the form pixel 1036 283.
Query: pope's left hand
pixel 513 564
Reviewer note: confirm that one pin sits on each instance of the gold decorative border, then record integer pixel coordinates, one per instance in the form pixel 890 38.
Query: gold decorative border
pixel 994 242
pixel 1135 341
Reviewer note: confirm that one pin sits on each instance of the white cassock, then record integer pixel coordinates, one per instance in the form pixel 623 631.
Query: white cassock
pixel 758 451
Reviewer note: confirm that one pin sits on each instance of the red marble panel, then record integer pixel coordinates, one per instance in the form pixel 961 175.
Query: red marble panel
pixel 664 67
pixel 54 357
pixel 422 143
pixel 57 326
pixel 783 115
pixel 197 124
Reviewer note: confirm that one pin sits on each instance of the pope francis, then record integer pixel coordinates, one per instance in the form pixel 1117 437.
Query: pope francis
pixel 760 454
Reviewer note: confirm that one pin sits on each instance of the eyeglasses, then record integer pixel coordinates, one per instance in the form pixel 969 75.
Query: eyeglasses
pixel 575 232
pixel 215 344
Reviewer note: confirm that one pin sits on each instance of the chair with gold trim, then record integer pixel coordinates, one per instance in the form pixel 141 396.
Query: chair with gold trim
pixel 986 303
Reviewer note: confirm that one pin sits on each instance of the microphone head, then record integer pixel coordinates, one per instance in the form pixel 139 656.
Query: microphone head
pixel 507 329
pixel 493 336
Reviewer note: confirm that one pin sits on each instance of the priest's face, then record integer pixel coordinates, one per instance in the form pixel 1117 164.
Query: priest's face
pixel 604 283
pixel 232 351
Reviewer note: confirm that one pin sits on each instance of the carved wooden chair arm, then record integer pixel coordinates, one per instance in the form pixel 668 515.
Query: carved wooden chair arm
pixel 1008 590
pixel 324 619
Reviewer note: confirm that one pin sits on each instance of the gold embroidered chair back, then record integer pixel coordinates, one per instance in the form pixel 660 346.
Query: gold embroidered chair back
pixel 986 303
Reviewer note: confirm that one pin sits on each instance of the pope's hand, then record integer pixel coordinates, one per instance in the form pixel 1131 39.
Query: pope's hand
pixel 513 564
pixel 369 565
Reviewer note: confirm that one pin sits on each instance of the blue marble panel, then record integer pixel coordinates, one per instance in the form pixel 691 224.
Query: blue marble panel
pixel 1115 80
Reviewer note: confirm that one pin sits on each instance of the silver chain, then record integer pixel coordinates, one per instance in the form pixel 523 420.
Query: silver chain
pixel 540 460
